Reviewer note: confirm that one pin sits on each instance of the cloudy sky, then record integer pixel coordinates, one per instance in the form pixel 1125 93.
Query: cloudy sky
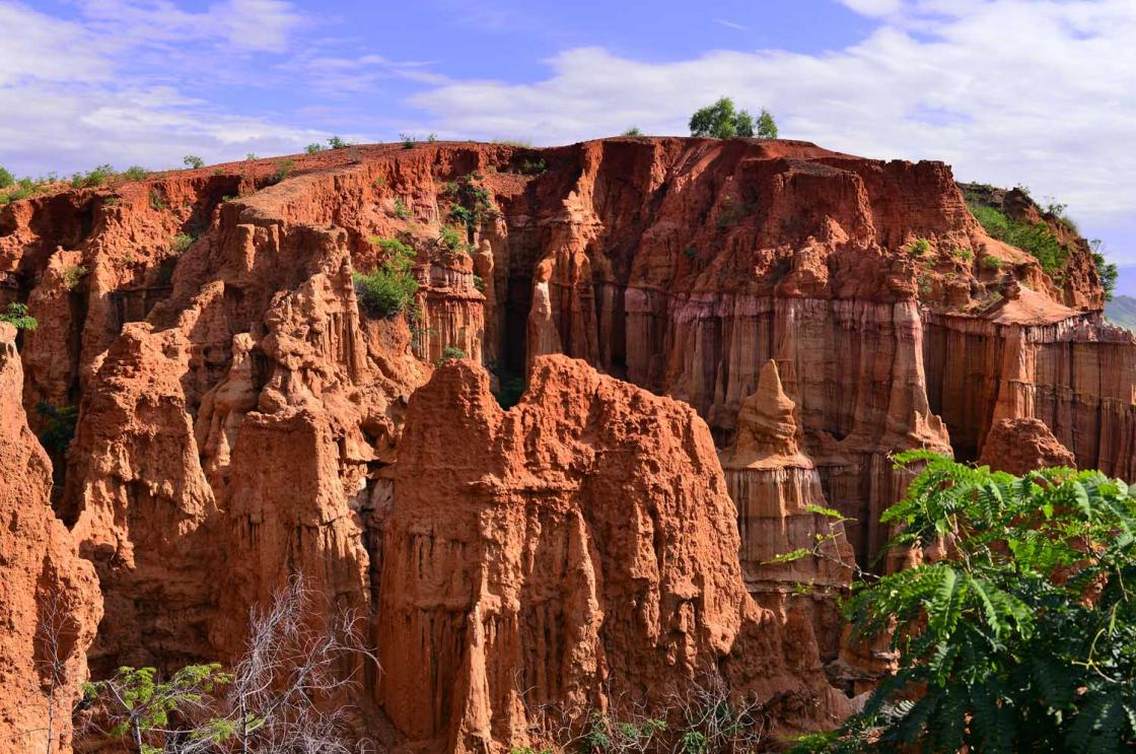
pixel 1040 93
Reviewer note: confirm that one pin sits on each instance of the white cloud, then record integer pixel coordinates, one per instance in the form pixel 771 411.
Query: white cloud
pixel 873 7
pixel 1007 91
pixel 105 87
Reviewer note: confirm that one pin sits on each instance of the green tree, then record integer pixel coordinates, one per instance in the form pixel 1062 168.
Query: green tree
pixel 6 178
pixel 140 706
pixel 721 120
pixel 766 126
pixel 193 161
pixel 1022 639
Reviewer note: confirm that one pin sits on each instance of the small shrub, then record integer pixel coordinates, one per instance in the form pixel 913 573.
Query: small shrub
pixel 533 167
pixel 337 143
pixel 17 316
pixel 314 148
pixel 283 170
pixel 633 131
pixel 391 288
pixel 251 156
pixel 479 283
pixel 965 255
pixel 451 353
pixel 453 239
pixel 407 140
pixel 181 242
pixel 74 275
pixel 193 162
pixel 94 178
pixel 400 210
pixel 918 247
pixel 432 138
pixel 991 263
pixel 6 178
pixel 135 173
pixel 157 203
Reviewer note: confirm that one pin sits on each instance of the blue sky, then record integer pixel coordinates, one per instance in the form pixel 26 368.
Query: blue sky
pixel 1037 92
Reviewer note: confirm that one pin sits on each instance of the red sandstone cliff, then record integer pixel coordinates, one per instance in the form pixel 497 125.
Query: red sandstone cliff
pixel 49 597
pixel 240 417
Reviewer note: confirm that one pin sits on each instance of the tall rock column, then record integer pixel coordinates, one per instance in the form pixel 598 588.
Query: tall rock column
pixel 50 604
pixel 792 554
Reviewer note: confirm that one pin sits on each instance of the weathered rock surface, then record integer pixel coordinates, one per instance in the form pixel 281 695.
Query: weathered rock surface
pixel 240 418
pixel 577 552
pixel 49 596
pixel 1022 445
pixel 793 552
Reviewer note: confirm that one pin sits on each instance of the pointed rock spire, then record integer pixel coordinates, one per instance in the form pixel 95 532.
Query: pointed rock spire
pixel 767 434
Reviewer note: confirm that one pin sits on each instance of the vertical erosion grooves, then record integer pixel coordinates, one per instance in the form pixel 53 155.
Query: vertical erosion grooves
pixel 1077 375
pixel 49 596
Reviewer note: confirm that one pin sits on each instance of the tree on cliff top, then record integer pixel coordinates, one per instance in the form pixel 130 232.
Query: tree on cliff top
pixel 721 121
pixel 1023 639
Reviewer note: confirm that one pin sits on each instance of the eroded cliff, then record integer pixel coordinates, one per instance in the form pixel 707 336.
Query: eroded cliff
pixel 241 417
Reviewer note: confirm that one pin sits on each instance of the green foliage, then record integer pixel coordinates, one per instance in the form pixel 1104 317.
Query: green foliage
pixel 314 148
pixel 1024 638
pixel 181 242
pixel 479 283
pixel 251 156
pixel 17 316
pixel 140 706
pixel 400 210
pixel 722 120
pixel 73 275
pixel 472 201
pixel 453 239
pixel 135 173
pixel 23 189
pixel 192 161
pixel 451 353
pixel 58 424
pixel 6 178
pixel 918 247
pixel 337 143
pixel 633 131
pixel 1106 270
pixel 991 263
pixel 390 289
pixel 407 140
pixel 283 170
pixel 966 255
pixel 766 126
pixel 530 166
pixel 157 203
pixel 93 178
pixel 1034 238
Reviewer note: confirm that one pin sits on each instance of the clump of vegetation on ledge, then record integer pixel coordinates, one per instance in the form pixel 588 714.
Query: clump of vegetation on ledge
pixel 18 317
pixel 1023 639
pixel 389 289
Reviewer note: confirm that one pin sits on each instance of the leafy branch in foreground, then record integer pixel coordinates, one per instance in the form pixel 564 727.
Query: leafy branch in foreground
pixel 286 694
pixel 1023 639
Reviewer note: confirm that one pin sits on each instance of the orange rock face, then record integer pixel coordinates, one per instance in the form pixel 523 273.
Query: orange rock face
pixel 1022 445
pixel 49 596
pixel 570 553
pixel 802 313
